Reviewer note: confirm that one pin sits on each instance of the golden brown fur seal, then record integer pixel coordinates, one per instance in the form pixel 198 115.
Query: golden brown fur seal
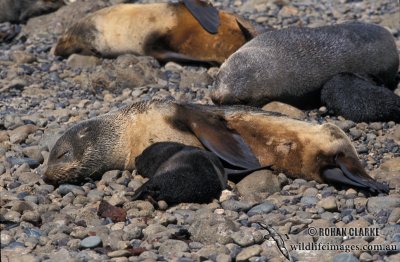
pixel 189 31
pixel 243 137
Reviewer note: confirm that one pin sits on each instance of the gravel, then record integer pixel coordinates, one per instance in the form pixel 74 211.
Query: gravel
pixel 41 95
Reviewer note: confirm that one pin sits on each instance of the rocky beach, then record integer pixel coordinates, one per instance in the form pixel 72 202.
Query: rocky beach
pixel 264 217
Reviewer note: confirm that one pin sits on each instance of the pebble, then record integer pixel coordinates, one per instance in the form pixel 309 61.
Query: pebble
pixel 343 257
pixel 243 238
pixel 172 246
pixel 259 182
pixel 91 242
pixel 263 208
pixel 248 252
pixel 328 203
pixel 235 205
pixel 81 61
pixel 375 204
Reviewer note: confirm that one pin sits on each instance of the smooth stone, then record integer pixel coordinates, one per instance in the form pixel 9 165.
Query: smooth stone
pixel 21 57
pixel 81 61
pixel 328 203
pixel 344 257
pixel 394 216
pixel 248 252
pixel 237 206
pixel 119 253
pixel 263 208
pixel 91 242
pixel 67 188
pixel 19 134
pixel 285 109
pixel 172 246
pixel 211 251
pixel 308 200
pixel 259 182
pixel 365 257
pixel 375 204
pixel 243 238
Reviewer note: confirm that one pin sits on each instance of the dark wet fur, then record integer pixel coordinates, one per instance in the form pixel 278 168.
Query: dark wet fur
pixel 360 99
pixel 179 173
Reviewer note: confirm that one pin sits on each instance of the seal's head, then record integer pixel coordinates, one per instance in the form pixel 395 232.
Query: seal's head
pixel 79 39
pixel 83 152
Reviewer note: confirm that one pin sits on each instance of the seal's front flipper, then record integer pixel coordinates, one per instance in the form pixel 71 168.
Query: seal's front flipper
pixel 214 134
pixel 350 172
pixel 170 56
pixel 205 14
pixel 359 99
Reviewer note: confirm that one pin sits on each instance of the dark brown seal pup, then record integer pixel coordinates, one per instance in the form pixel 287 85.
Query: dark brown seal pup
pixel 243 137
pixel 292 65
pixel 19 11
pixel 178 173
pixel 189 31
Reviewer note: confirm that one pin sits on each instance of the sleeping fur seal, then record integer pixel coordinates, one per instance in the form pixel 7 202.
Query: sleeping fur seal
pixel 19 11
pixel 243 138
pixel 188 31
pixel 293 65
pixel 178 173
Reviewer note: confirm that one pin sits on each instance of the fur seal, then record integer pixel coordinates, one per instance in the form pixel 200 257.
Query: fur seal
pixel 19 11
pixel 188 31
pixel 293 65
pixel 178 173
pixel 244 138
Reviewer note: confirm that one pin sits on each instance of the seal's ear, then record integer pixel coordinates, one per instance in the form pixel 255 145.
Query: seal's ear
pixel 83 132
pixel 205 14
pixel 247 31
pixel 214 134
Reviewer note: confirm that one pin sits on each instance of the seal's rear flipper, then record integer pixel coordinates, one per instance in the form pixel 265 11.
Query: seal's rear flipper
pixel 213 133
pixel 359 99
pixel 205 14
pixel 349 172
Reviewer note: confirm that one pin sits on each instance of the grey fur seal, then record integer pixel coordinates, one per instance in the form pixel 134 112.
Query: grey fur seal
pixel 188 31
pixel 19 11
pixel 244 138
pixel 293 65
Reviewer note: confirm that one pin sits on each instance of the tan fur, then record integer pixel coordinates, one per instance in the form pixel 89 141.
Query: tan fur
pixel 135 28
pixel 125 27
pixel 299 148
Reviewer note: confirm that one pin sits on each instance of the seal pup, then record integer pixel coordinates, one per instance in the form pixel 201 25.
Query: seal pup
pixel 293 65
pixel 178 173
pixel 244 138
pixel 19 11
pixel 191 31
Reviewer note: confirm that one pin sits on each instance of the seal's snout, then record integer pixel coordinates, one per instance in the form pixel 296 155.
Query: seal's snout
pixel 221 95
pixel 48 180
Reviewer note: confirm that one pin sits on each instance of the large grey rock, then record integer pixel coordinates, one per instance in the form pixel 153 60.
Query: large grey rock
pixel 259 182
